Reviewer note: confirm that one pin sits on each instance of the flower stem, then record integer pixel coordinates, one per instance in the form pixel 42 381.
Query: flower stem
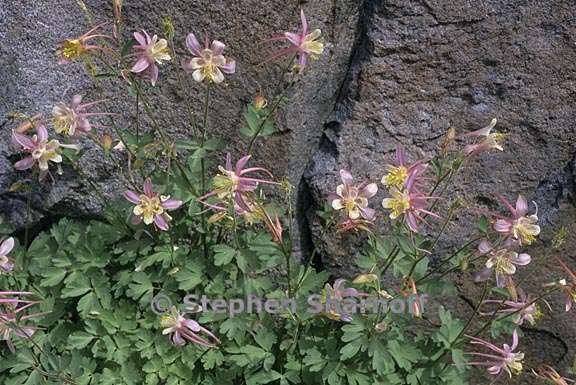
pixel 279 95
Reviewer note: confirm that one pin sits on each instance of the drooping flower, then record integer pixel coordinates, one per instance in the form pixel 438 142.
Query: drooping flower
pixel 550 374
pixel 182 330
pixel 411 291
pixel 502 261
pixel 354 225
pixel 488 140
pixel 305 44
pixel 151 52
pixel 72 119
pixel 209 62
pixel 72 49
pixel 568 288
pixel 524 307
pixel 151 207
pixel 409 202
pixel 6 247
pixel 12 307
pixel 232 184
pixel 520 226
pixel 353 199
pixel 399 173
pixel 41 150
pixel 334 300
pixel 499 359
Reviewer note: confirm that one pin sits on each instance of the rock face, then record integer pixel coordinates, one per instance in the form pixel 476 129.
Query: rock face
pixel 394 72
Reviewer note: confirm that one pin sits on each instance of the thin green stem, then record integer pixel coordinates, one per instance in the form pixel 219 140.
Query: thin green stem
pixel 279 96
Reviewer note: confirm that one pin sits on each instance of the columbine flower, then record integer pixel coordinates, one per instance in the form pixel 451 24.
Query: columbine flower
pixel 398 174
pixel 408 202
pixel 209 62
pixel 11 307
pixel 500 359
pixel 6 247
pixel 41 150
pixel 568 288
pixel 548 373
pixel 72 49
pixel 183 329
pixel 521 227
pixel 524 308
pixel 354 225
pixel 489 140
pixel 334 299
pixel 502 261
pixel 232 184
pixel 73 119
pixel 304 44
pixel 151 207
pixel 353 199
pixel 151 51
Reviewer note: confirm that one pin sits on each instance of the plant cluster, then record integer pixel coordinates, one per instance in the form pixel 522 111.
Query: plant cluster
pixel 81 301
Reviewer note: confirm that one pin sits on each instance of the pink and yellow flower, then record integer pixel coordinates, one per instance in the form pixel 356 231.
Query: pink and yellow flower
pixel 151 207
pixel 72 119
pixel 409 202
pixel 72 49
pixel 499 360
pixel 550 374
pixel 398 174
pixel 6 247
pixel 524 307
pixel 12 308
pixel 305 44
pixel 520 226
pixel 487 140
pixel 353 199
pixel 150 52
pixel 233 186
pixel 502 261
pixel 182 330
pixel 209 62
pixel 568 287
pixel 334 300
pixel 40 150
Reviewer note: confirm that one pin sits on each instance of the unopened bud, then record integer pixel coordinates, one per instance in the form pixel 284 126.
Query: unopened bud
pixel 107 142
pixel 365 278
pixel 260 102
pixel 168 27
pixel 381 327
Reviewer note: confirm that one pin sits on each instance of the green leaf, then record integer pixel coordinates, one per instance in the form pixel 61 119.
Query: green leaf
pixel 77 284
pixel 223 254
pixel 79 340
pixel 52 276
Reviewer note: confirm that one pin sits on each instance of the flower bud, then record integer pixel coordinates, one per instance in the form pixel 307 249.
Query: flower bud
pixel 259 102
pixel 168 27
pixel 365 278
pixel 106 141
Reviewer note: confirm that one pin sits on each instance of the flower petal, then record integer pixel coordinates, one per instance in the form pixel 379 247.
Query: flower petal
pixel 25 163
pixel 141 64
pixel 217 47
pixel 148 189
pixel 171 204
pixel 192 44
pixel 160 221
pixel 132 197
pixel 6 246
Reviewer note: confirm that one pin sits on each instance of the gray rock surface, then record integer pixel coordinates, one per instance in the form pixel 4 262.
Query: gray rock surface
pixel 394 72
